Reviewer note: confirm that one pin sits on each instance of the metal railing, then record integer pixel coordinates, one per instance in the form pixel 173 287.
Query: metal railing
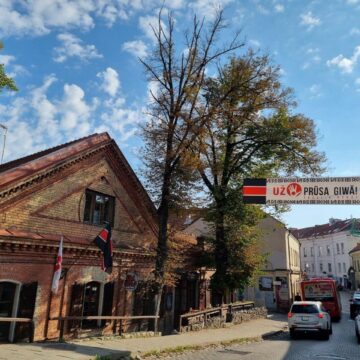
pixel 205 316
pixel 63 320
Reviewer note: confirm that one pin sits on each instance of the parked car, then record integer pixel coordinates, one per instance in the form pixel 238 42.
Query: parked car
pixel 357 328
pixel 309 317
pixel 355 305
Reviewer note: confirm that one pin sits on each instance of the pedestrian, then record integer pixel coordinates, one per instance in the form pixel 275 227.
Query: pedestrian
pixel 297 297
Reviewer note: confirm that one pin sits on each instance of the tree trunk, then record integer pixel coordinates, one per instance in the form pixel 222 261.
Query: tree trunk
pixel 221 254
pixel 162 246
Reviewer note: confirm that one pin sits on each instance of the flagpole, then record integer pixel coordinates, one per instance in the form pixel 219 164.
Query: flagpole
pixel 87 247
pixel 46 328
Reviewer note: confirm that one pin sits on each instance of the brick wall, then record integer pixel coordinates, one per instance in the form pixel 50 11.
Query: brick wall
pixel 56 207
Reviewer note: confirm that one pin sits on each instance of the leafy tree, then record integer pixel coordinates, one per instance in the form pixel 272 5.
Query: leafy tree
pixel 5 81
pixel 178 76
pixel 251 132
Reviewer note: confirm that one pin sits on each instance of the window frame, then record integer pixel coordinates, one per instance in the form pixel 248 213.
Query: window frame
pixel 88 216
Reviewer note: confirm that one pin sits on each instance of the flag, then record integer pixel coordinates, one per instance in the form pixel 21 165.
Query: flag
pixel 57 269
pixel 104 242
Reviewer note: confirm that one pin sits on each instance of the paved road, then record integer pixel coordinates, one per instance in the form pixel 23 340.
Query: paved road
pixel 341 346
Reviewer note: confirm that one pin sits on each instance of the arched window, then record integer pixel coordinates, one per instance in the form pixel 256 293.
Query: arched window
pixel 7 299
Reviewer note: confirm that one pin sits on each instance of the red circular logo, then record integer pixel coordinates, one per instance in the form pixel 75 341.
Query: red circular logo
pixel 294 189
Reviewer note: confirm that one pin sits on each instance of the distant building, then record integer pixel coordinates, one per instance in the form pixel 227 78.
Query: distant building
pixel 325 249
pixel 354 271
pixel 277 285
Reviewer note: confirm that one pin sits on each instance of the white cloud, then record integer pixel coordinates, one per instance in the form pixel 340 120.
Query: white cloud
pixel 346 65
pixel 73 46
pixel 6 59
pixel 111 82
pixel 208 8
pixel 355 31
pixel 357 81
pixel 45 109
pixel 279 8
pixel 137 48
pixel 312 50
pixel 254 43
pixel 352 2
pixel 315 90
pixel 40 17
pixel 75 112
pixel 118 117
pixel 146 23
pixel 309 20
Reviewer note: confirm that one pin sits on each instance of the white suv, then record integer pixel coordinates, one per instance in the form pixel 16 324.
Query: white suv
pixel 309 317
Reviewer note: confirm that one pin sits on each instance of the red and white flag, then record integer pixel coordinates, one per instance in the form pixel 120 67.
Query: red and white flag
pixel 57 270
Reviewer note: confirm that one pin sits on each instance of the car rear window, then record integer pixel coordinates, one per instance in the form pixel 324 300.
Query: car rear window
pixel 304 309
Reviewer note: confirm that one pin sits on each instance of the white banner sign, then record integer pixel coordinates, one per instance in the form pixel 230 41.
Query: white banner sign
pixel 337 191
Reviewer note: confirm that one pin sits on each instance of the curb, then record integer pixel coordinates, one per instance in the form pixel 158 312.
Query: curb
pixel 187 348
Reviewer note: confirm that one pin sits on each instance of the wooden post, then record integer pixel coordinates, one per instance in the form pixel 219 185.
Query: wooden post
pixel 62 298
pixel 117 300
pixel 62 322
pixel 48 309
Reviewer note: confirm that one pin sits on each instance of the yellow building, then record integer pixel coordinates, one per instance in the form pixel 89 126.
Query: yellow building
pixel 354 271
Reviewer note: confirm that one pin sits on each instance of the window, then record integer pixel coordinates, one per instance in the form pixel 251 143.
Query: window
pixel 339 267
pixel 321 267
pixel 98 208
pixel 329 268
pixel 342 248
pixel 328 250
pixel 312 268
pixel 90 299
pixel 312 251
pixel 344 267
pixel 320 250
pixel 338 248
pixel 305 254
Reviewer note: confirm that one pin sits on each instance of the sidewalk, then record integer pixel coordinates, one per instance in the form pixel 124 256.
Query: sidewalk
pixel 88 349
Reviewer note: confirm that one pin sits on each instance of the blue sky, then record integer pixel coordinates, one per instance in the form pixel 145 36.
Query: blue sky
pixel 76 66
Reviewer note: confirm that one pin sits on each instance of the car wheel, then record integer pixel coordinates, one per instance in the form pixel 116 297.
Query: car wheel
pixel 325 334
pixel 358 338
pixel 292 334
pixel 330 330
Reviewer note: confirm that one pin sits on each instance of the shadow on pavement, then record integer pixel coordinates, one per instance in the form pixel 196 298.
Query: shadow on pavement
pixel 91 351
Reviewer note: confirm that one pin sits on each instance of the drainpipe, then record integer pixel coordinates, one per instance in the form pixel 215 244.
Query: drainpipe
pixel 290 270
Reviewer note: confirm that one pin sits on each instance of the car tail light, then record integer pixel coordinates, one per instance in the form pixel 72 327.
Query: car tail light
pixel 321 315
pixel 290 315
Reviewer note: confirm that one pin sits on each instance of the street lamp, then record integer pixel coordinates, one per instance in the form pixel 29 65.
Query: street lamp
pixel 3 150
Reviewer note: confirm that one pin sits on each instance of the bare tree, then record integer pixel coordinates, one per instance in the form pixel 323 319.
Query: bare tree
pixel 176 120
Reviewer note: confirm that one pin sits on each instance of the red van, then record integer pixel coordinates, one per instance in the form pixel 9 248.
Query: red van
pixel 324 290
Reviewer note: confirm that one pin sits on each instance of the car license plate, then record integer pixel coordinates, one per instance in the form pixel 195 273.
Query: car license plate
pixel 304 318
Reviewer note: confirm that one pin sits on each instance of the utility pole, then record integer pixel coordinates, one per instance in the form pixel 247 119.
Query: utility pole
pixel 3 150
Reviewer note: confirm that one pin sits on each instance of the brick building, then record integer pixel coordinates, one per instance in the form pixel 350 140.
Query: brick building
pixel 69 191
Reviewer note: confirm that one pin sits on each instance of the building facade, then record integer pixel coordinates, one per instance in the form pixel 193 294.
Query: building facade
pixel 354 270
pixel 69 191
pixel 278 284
pixel 325 249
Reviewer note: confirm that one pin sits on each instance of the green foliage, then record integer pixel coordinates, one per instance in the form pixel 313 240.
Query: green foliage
pixel 251 132
pixel 6 82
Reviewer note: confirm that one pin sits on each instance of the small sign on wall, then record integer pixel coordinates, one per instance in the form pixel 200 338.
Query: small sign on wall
pixel 131 281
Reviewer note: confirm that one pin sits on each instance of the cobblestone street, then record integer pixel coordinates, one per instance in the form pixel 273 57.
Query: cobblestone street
pixel 341 346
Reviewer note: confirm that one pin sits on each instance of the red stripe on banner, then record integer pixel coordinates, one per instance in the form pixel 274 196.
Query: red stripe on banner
pixel 103 235
pixel 254 190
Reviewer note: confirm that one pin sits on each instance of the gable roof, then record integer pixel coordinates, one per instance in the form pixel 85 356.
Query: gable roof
pixel 325 229
pixel 24 172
